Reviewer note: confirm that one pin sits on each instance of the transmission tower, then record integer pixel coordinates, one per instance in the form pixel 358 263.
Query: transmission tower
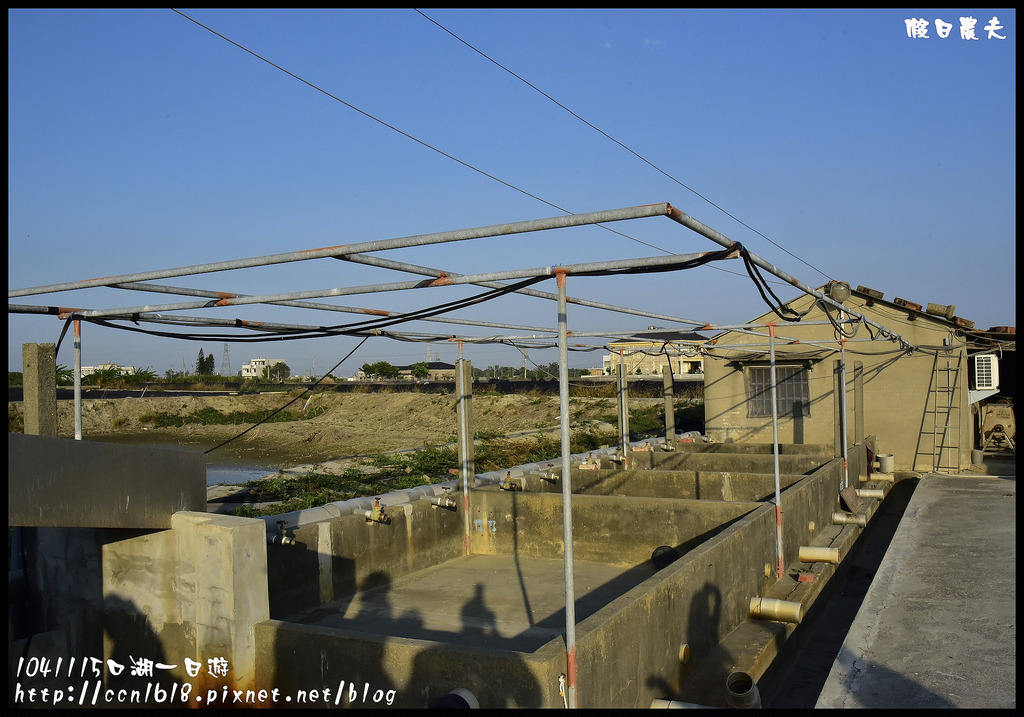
pixel 226 361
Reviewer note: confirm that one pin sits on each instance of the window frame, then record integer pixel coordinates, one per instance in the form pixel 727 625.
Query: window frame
pixel 793 386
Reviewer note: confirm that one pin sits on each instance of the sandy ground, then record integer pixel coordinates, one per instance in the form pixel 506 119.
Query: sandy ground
pixel 345 425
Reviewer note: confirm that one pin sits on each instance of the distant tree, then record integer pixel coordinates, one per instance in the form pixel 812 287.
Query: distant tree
pixel 204 364
pixel 380 369
pixel 15 378
pixel 386 370
pixel 64 376
pixel 278 371
pixel 421 370
pixel 105 378
pixel 142 375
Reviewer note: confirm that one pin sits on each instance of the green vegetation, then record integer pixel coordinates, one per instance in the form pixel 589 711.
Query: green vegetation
pixel 204 364
pixel 380 369
pixel 396 471
pixel 212 417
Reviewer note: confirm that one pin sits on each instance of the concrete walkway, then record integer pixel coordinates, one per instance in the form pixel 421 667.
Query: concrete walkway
pixel 937 628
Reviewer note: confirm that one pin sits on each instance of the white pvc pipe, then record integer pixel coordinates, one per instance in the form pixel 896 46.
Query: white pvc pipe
pixel 849 519
pixel 780 610
pixel 811 554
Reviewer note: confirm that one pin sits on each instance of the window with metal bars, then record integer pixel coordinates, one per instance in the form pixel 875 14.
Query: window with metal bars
pixel 792 393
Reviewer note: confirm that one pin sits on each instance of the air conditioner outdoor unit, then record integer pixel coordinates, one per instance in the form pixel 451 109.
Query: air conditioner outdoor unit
pixel 986 373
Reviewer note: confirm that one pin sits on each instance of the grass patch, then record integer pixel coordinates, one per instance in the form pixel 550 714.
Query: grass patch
pixel 212 417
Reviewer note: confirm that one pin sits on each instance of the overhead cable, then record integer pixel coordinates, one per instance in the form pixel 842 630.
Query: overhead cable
pixel 608 136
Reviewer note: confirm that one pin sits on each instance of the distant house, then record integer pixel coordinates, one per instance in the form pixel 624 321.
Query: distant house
pixel 915 398
pixel 651 353
pixel 436 371
pixel 258 366
pixel 121 370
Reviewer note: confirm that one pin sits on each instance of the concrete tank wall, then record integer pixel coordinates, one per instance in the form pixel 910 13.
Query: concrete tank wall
pixel 606 529
pixel 334 558
pixel 627 652
pixel 702 485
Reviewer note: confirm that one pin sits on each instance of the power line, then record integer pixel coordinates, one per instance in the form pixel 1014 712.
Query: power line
pixel 406 134
pixel 608 136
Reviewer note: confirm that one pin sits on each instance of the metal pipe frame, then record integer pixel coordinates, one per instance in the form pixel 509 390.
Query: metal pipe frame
pixel 567 530
pixel 561 222
pixel 656 262
pixel 354 252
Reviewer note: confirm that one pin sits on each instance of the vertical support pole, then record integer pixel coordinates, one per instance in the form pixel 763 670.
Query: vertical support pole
pixel 775 453
pixel 623 413
pixel 858 401
pixel 78 379
pixel 668 384
pixel 467 470
pixel 563 400
pixel 842 410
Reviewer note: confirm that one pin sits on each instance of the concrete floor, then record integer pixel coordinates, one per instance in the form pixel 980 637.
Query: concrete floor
pixel 485 600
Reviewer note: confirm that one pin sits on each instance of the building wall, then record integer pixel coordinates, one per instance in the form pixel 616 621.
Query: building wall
pixel 895 396
pixel 644 357
pixel 255 368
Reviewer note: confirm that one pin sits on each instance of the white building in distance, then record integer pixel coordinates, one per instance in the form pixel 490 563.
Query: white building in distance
pixel 257 367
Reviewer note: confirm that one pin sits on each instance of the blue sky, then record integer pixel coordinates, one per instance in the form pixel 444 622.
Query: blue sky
pixel 139 140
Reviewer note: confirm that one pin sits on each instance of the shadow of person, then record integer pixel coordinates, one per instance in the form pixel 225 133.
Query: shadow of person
pixel 477 618
pixel 448 674
pixel 134 655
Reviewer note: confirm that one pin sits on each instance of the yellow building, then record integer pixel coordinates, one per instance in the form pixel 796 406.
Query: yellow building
pixel 649 354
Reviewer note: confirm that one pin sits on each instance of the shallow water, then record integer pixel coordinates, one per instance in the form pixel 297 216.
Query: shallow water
pixel 221 466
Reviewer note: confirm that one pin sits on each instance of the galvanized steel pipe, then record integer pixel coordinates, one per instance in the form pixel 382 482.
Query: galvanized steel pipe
pixel 567 530
pixel 573 220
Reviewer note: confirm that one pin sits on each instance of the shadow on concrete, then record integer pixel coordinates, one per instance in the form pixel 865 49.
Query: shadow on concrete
pixel 881 687
pixel 702 626
pixel 136 657
pixel 509 682
pixel 797 677
pixel 380 651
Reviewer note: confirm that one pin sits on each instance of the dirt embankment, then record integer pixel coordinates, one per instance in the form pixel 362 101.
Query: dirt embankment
pixel 341 425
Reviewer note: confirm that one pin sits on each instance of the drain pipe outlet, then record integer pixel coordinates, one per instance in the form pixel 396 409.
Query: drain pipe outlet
pixel 741 691
pixel 878 493
pixel 849 519
pixel 809 554
pixel 459 698
pixel 779 610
